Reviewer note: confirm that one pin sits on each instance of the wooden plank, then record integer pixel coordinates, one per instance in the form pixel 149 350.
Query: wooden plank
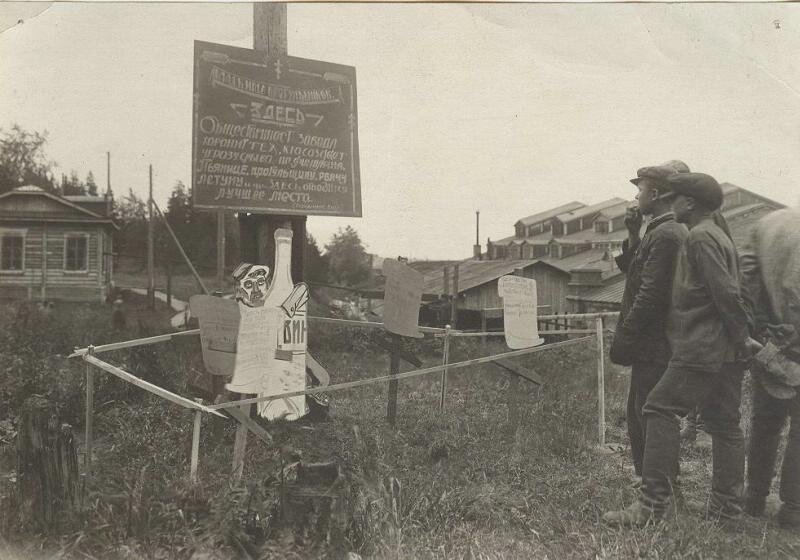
pixel 316 369
pixel 89 419
pixel 133 343
pixel 405 375
pixel 141 383
pixel 198 418
pixel 601 390
pixel 521 371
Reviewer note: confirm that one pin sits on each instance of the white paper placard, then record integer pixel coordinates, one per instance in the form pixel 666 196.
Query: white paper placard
pixel 519 311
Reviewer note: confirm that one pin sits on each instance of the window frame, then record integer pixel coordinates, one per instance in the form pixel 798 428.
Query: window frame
pixel 76 235
pixel 23 233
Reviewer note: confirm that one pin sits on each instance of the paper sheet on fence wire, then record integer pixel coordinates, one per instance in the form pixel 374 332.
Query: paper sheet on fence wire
pixel 402 298
pixel 519 311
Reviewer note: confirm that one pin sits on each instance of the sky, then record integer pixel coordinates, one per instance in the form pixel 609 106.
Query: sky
pixel 509 109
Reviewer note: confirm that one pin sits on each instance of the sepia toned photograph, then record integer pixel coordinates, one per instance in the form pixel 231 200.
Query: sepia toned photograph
pixel 399 280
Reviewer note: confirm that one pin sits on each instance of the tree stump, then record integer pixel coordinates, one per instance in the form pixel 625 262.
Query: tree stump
pixel 48 479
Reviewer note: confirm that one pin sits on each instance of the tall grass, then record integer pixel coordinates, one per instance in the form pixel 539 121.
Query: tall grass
pixel 505 470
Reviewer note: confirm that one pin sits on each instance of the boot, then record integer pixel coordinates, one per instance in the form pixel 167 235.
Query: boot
pixel 635 515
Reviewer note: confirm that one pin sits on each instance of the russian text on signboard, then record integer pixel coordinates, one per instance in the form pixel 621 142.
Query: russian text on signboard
pixel 274 135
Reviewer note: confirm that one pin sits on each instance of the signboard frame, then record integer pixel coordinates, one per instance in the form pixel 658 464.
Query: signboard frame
pixel 265 101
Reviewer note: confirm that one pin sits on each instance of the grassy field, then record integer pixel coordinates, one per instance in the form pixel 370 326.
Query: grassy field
pixel 506 470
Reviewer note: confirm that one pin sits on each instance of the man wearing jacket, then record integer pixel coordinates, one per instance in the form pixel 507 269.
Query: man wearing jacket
pixel 707 331
pixel 648 263
pixel 771 278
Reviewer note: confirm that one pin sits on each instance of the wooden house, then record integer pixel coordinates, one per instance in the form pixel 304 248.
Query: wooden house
pixel 55 248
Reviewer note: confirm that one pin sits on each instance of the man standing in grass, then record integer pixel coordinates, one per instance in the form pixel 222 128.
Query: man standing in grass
pixel 649 264
pixel 707 330
pixel 771 276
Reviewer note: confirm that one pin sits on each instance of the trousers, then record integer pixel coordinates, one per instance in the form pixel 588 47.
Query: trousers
pixel 718 394
pixel 769 417
pixel 644 376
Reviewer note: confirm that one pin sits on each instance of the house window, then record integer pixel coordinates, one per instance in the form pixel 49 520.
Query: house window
pixel 76 252
pixel 601 226
pixel 12 252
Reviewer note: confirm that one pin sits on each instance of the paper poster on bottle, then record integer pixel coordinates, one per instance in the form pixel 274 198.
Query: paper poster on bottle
pixel 219 327
pixel 402 298
pixel 519 311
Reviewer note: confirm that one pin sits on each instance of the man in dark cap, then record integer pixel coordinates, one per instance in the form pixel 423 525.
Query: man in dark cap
pixel 648 263
pixel 771 278
pixel 708 332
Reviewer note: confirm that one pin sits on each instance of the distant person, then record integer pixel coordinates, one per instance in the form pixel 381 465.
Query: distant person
pixel 118 315
pixel 648 262
pixel 708 331
pixel 771 277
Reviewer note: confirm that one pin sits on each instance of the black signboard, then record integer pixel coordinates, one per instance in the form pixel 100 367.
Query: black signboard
pixel 274 135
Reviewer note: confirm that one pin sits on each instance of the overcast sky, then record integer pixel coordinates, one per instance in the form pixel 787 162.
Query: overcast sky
pixel 509 109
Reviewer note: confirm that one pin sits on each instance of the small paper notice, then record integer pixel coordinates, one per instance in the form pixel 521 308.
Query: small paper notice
pixel 402 298
pixel 519 311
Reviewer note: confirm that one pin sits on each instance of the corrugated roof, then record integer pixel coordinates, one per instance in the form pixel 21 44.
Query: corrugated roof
pixel 611 293
pixel 552 213
pixel 474 273
pixel 586 210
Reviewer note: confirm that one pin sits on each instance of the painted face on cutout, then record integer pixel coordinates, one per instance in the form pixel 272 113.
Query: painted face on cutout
pixel 252 285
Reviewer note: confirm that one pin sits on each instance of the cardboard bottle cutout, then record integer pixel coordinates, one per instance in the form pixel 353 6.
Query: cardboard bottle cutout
pixel 519 311
pixel 403 295
pixel 287 331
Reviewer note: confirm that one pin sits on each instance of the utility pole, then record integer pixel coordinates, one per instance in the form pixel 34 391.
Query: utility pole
pixel 257 230
pixel 221 248
pixel 151 281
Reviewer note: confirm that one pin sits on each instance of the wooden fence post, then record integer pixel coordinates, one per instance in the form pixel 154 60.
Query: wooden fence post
pixel 601 382
pixel 394 369
pixel 87 458
pixel 48 480
pixel 198 419
pixel 445 361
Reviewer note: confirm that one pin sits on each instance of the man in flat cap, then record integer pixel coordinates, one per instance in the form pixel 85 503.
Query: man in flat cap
pixel 708 332
pixel 771 282
pixel 649 264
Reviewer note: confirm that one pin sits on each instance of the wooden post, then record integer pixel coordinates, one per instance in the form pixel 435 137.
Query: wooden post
pixel 48 481
pixel 198 418
pixel 221 249
pixel 601 382
pixel 256 231
pixel 240 445
pixel 87 458
pixel 445 361
pixel 454 304
pixel 151 281
pixel 394 369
